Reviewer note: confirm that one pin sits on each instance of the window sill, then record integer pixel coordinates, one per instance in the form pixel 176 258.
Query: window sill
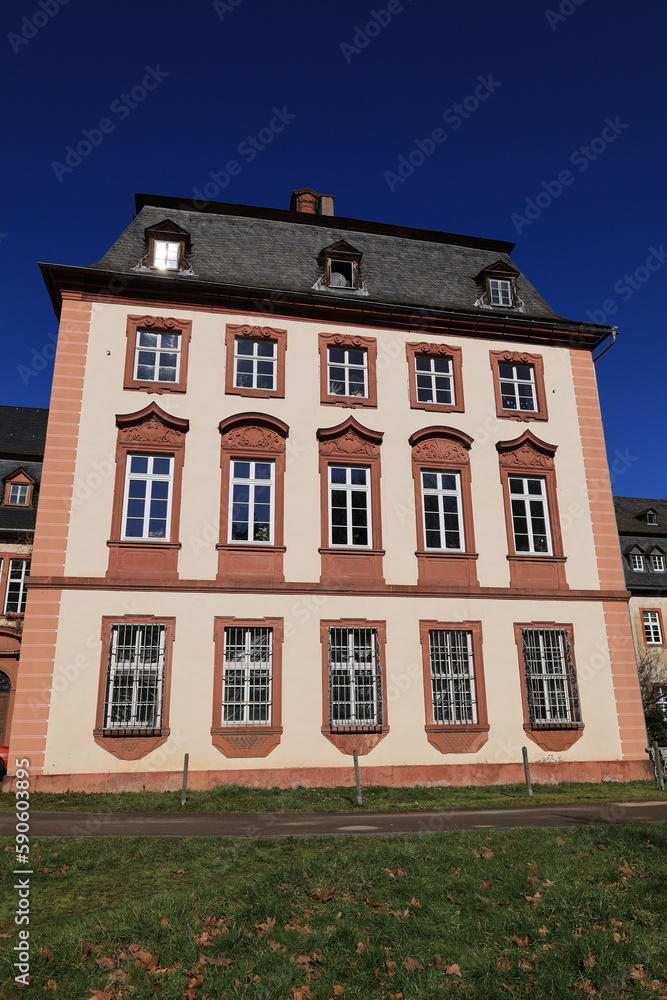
pixel 130 747
pixel 355 740
pixel 348 401
pixel 246 741
pixel 457 738
pixel 524 416
pixel 554 738
pixel 261 393
pixel 151 559
pixel 155 387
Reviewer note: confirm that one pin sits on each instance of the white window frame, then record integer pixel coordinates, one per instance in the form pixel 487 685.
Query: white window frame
pixel 652 628
pixel 347 367
pixel 21 493
pixel 515 381
pixel 349 488
pixel 657 563
pixel 255 358
pixel 149 478
pixel 19 569
pixel 554 685
pixel 156 352
pixel 333 281
pixel 433 376
pixel 442 495
pixel 363 647
pixel 166 254
pixel 252 482
pixel 532 498
pixel 247 663
pixel 660 695
pixel 137 669
pixel 452 668
pixel 500 292
pixel 637 562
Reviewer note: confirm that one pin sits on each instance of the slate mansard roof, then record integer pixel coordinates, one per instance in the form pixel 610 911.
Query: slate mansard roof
pixel 237 250
pixel 638 536
pixel 22 431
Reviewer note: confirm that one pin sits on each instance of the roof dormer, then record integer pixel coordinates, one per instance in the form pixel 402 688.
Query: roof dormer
pixel 166 248
pixel 650 516
pixel 341 265
pixel 499 287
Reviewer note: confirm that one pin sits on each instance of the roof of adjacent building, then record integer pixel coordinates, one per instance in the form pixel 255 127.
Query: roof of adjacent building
pixel 22 431
pixel 642 538
pixel 268 248
pixel 631 516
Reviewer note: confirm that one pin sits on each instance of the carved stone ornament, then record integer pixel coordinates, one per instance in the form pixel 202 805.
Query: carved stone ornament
pixel 348 445
pixel 151 431
pixel 554 740
pixel 253 438
pixel 265 332
pixel 459 740
pixel 434 349
pixel 526 457
pixel 127 748
pixel 441 450
pixel 158 321
pixel 244 744
pixel 516 358
pixel 347 340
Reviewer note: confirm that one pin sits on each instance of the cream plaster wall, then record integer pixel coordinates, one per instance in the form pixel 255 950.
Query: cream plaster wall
pixel 70 747
pixel 205 404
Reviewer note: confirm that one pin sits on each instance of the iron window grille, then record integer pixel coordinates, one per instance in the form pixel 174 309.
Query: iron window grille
pixel 441 502
pixel 135 680
pixel 652 630
pixel 248 676
pixel 551 681
pixel 517 387
pixel 435 380
pixel 157 356
pixel 452 677
pixel 347 371
pixel 355 684
pixel 251 502
pixel 349 506
pixel 255 364
pixel 15 599
pixel 147 507
pixel 18 495
pixel 530 517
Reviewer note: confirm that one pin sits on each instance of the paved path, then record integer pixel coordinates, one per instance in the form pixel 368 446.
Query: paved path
pixel 53 824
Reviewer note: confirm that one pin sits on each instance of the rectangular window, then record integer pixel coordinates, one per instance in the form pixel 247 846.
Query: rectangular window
pixel 157 356
pixel 435 380
pixel 661 700
pixel 441 502
pixel 165 255
pixel 517 387
pixel 550 677
pixel 18 495
pixel 255 364
pixel 15 599
pixel 251 501
pixel 658 564
pixel 247 676
pixel 452 677
pixel 501 292
pixel 637 562
pixel 347 372
pixel 135 678
pixel 530 518
pixel 355 690
pixel 147 505
pixel 349 505
pixel 652 628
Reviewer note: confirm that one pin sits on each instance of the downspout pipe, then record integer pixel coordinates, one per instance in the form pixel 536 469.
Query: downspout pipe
pixel 613 335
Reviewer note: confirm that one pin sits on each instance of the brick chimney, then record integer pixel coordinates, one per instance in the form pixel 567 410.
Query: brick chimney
pixel 311 203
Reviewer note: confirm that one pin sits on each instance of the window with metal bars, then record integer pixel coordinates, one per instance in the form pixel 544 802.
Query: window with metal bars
pixel 19 570
pixel 135 680
pixel 551 682
pixel 355 688
pixel 247 676
pixel 452 677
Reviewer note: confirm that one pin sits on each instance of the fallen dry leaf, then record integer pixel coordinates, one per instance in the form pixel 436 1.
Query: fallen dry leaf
pixel 621 938
pixel 413 965
pixel 453 970
pixel 362 945
pixel 486 853
pixel 589 961
pixel 323 895
pixel 105 963
pixel 543 930
pixel 164 922
pixel 503 963
pixel 524 964
pixel 576 932
pixel 275 945
pixel 100 995
pixel 587 987
pixel 626 870
pixel 339 990
pixel 48 954
pixel 390 967
pixel 637 972
pixel 266 926
pixel 51 984
pixel 85 948
pixel 415 902
pixel 521 942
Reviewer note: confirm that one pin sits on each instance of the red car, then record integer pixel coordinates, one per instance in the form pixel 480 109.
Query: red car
pixel 4 756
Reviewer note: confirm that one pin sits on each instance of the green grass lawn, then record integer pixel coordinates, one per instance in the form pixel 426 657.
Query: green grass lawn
pixel 236 799
pixel 497 914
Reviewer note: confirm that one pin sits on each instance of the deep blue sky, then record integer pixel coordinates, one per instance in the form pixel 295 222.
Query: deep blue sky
pixel 356 114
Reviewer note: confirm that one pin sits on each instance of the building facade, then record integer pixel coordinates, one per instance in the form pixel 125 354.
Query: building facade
pixel 317 486
pixel 22 437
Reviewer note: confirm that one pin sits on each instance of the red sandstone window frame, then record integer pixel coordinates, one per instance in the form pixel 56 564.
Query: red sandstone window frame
pixel 243 740
pixel 359 739
pixel 156 324
pixel 150 431
pixel 661 628
pixel 252 437
pixel 528 456
pixel 136 746
pixel 351 444
pixel 437 350
pixel 444 449
pixel 19 478
pixel 455 737
pixel 355 343
pixel 559 736
pixel 534 361
pixel 259 333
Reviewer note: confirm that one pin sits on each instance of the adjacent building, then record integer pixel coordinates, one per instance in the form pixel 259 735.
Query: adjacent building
pixel 316 486
pixel 22 436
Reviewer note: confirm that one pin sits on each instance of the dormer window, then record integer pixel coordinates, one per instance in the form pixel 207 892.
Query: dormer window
pixel 19 487
pixel 637 562
pixel 341 264
pixel 341 273
pixel 498 283
pixel 166 255
pixel 651 517
pixel 18 495
pixel 166 248
pixel 500 292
